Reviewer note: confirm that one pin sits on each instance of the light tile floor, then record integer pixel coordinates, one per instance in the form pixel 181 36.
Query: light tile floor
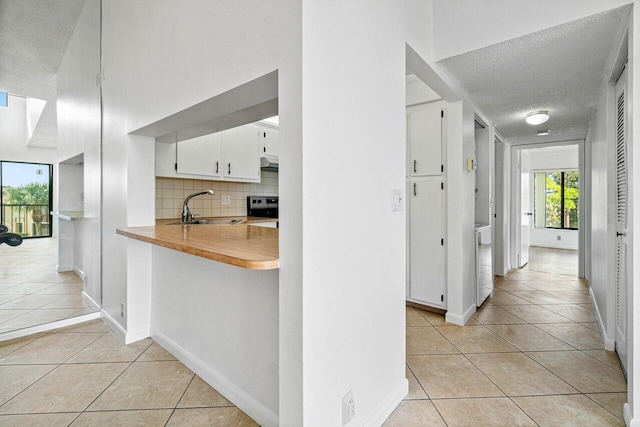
pixel 83 375
pixel 531 355
pixel 31 291
pixel 551 260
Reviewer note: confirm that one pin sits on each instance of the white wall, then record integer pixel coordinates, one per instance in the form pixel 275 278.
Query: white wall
pixel 14 135
pixel 78 113
pixel 502 226
pixel 353 118
pixel 237 349
pixel 547 159
pixel 159 63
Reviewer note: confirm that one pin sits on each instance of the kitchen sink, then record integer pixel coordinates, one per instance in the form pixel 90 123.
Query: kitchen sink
pixel 209 222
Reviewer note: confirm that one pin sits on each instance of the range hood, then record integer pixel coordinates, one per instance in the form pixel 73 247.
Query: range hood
pixel 269 162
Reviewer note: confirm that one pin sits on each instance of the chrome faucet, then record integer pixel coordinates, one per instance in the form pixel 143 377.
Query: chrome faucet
pixel 187 216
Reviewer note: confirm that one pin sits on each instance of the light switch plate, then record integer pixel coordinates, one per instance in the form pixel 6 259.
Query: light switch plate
pixel 225 200
pixel 397 200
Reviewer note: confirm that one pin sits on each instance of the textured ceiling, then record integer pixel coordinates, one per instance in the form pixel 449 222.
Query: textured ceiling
pixel 560 69
pixel 33 37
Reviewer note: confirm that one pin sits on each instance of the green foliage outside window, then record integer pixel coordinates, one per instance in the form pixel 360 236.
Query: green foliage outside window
pixel 561 195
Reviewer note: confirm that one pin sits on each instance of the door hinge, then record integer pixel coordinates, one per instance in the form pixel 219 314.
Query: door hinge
pixel 441 113
pixel 441 168
pixel 441 242
pixel 442 297
pixel 175 166
pixel 442 185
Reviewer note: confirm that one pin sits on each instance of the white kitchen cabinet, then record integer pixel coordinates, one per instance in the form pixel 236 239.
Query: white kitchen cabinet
pixel 268 141
pixel 426 284
pixel 241 153
pixel 424 124
pixel 229 155
pixel 200 156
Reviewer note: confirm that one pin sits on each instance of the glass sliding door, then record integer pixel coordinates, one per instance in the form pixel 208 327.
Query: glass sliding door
pixel 26 198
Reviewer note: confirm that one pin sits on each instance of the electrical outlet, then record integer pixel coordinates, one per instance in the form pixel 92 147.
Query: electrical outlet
pixel 123 311
pixel 559 237
pixel 397 200
pixel 348 408
pixel 225 200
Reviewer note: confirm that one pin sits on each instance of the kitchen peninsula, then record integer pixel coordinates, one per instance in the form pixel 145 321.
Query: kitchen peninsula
pixel 211 299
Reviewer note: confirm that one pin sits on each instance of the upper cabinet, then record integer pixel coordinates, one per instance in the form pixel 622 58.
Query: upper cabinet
pixel 269 141
pixel 425 139
pixel 229 155
pixel 200 156
pixel 241 153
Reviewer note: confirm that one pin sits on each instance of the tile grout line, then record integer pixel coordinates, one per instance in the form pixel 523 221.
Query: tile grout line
pixel 181 397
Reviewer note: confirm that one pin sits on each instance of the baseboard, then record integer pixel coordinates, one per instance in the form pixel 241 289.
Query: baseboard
pixel 48 326
pixel 456 319
pixel 115 326
pixel 389 405
pixel 227 388
pixel 628 416
pixel 609 343
pixel 552 246
pixel 90 301
pixel 81 274
pixel 137 335
pixel 64 268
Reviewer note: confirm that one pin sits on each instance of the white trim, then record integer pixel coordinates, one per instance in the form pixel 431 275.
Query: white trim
pixel 389 404
pixel 80 273
pixel 628 416
pixel 115 326
pixel 456 319
pixel 48 326
pixel 215 379
pixel 609 343
pixel 137 335
pixel 64 268
pixel 555 246
pixel 90 301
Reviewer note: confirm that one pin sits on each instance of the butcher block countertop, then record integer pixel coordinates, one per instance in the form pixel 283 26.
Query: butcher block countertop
pixel 242 245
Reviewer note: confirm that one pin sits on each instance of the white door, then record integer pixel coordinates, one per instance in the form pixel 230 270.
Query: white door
pixel 426 244
pixel 241 153
pixel 525 208
pixel 621 220
pixel 200 156
pixel 425 140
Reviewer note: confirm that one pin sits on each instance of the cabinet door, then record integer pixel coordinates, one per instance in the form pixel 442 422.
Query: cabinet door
pixel 425 140
pixel 425 242
pixel 200 156
pixel 241 153
pixel 269 140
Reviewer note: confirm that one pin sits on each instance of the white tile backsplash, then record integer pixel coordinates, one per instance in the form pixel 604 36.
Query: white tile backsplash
pixel 171 192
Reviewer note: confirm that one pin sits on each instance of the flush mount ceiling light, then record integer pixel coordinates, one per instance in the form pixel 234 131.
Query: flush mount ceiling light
pixel 544 132
pixel 537 117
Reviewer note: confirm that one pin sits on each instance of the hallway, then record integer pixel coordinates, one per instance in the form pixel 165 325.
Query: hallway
pixel 531 355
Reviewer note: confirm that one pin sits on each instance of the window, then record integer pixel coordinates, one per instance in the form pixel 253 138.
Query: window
pixel 556 196
pixel 4 99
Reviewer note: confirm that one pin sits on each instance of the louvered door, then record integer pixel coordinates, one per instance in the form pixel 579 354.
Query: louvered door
pixel 621 220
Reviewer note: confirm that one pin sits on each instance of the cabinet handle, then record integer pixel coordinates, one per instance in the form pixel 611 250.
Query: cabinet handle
pixel 415 162
pixel 216 167
pixel 415 192
pixel 229 168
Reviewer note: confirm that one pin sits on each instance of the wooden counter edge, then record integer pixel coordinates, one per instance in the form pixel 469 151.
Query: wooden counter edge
pixel 214 256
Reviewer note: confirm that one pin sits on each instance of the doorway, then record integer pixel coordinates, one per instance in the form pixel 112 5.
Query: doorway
pixel 26 200
pixel 548 209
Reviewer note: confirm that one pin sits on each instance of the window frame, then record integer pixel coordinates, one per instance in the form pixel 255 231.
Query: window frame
pixel 562 171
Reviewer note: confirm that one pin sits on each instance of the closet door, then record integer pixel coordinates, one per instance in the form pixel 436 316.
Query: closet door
pixel 425 140
pixel 621 221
